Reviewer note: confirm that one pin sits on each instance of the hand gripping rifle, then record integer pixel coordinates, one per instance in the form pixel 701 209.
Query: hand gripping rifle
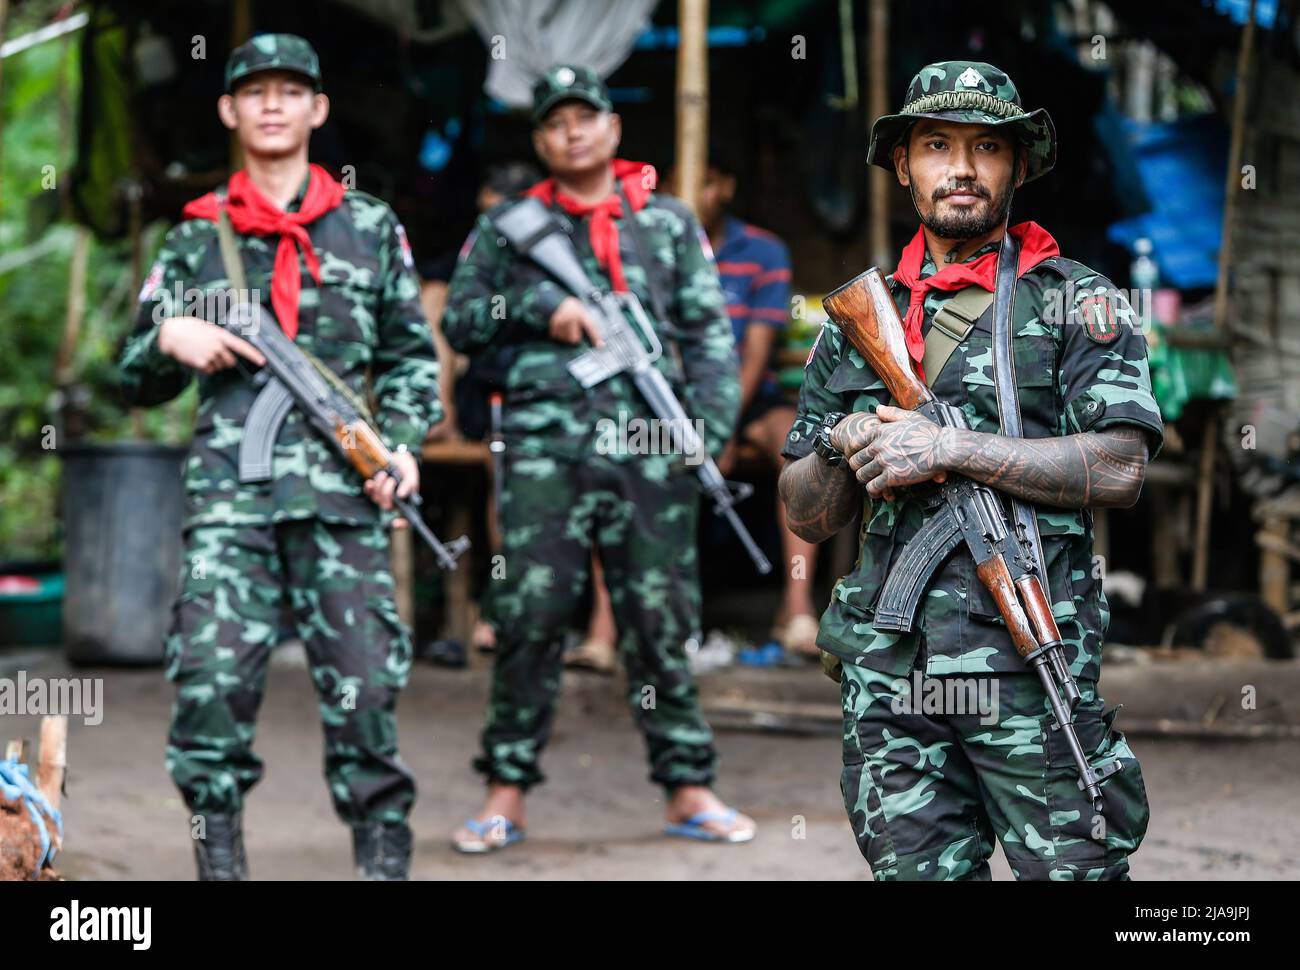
pixel 533 231
pixel 968 511
pixel 291 377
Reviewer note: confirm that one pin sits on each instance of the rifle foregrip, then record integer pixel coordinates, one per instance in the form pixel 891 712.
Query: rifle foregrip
pixel 1038 609
pixel 864 311
pixel 367 453
pixel 995 576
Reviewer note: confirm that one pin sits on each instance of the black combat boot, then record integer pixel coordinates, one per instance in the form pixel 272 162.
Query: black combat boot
pixel 220 853
pixel 382 850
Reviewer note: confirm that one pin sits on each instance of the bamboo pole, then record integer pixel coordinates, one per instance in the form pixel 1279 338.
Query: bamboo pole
pixel 241 28
pixel 1232 184
pixel 76 312
pixel 1274 570
pixel 4 21
pixel 878 105
pixel 692 98
pixel 1204 497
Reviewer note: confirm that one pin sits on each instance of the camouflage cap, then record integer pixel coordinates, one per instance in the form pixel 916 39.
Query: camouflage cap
pixel 970 92
pixel 273 52
pixel 568 82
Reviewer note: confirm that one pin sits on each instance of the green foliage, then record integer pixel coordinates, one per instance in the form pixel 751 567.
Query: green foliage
pixel 38 109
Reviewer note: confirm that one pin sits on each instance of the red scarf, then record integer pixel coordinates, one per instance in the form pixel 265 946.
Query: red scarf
pixel 1036 245
pixel 252 213
pixel 638 181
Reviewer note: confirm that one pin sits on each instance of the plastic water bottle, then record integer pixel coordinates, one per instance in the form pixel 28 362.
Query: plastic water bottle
pixel 1144 274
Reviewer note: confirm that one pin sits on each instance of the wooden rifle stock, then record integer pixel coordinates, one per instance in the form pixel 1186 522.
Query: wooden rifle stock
pixel 364 448
pixel 865 313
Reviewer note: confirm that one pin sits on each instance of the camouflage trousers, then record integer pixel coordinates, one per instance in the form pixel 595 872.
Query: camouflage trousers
pixel 552 515
pixel 927 793
pixel 336 581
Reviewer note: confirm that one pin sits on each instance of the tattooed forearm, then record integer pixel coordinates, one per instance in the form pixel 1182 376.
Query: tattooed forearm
pixel 1097 469
pixel 819 500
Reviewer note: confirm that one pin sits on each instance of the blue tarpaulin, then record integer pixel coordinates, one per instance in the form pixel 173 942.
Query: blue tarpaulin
pixel 1265 11
pixel 1180 168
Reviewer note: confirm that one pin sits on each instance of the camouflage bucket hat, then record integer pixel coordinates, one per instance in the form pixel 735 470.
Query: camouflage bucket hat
pixel 566 83
pixel 273 52
pixel 970 92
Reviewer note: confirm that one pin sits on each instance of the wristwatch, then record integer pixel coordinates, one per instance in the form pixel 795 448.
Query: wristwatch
pixel 822 440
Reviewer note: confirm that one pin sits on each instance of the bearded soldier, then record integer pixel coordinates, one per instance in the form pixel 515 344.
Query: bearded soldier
pixel 571 485
pixel 928 790
pixel 335 268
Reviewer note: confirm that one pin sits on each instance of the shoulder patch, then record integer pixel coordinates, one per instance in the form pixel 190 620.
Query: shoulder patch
pixel 151 281
pixel 467 245
pixel 1098 319
pixel 812 352
pixel 705 245
pixel 407 258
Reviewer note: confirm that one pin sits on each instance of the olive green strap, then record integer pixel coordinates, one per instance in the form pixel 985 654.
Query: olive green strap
pixel 230 253
pixel 952 324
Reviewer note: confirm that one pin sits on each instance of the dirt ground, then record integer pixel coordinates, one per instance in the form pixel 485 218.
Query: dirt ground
pixel 1220 809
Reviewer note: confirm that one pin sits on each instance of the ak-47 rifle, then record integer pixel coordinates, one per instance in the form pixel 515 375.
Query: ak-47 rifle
pixel 968 511
pixel 533 231
pixel 292 378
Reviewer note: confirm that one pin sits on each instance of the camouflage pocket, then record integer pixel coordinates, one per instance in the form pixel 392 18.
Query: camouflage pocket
pixel 1085 837
pixel 860 589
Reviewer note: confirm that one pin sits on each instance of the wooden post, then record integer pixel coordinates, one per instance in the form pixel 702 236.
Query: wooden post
pixel 241 28
pixel 692 98
pixel 53 765
pixel 1164 541
pixel 1274 570
pixel 4 20
pixel 878 105
pixel 76 308
pixel 1204 497
pixel 1232 177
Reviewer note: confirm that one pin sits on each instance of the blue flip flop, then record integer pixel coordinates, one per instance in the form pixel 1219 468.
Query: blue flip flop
pixel 693 828
pixel 508 835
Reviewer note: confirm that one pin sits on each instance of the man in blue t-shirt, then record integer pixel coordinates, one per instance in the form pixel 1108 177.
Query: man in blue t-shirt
pixel 754 266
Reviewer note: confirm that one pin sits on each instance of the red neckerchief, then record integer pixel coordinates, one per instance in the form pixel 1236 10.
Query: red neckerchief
pixel 252 213
pixel 638 181
pixel 1036 245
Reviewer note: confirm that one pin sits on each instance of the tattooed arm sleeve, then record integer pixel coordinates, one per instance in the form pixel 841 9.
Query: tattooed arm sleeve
pixel 1096 469
pixel 1112 424
pixel 819 500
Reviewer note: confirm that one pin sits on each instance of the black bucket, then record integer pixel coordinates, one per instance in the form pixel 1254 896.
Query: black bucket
pixel 122 509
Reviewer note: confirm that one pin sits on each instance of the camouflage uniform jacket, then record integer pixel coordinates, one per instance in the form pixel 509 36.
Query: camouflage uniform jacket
pixel 1081 365
pixel 503 301
pixel 364 322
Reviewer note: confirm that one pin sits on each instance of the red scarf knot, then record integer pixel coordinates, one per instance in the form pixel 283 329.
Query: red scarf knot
pixel 252 213
pixel 638 181
pixel 1036 245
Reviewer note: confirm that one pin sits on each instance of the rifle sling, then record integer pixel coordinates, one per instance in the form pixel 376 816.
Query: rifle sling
pixel 230 252
pixel 1024 519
